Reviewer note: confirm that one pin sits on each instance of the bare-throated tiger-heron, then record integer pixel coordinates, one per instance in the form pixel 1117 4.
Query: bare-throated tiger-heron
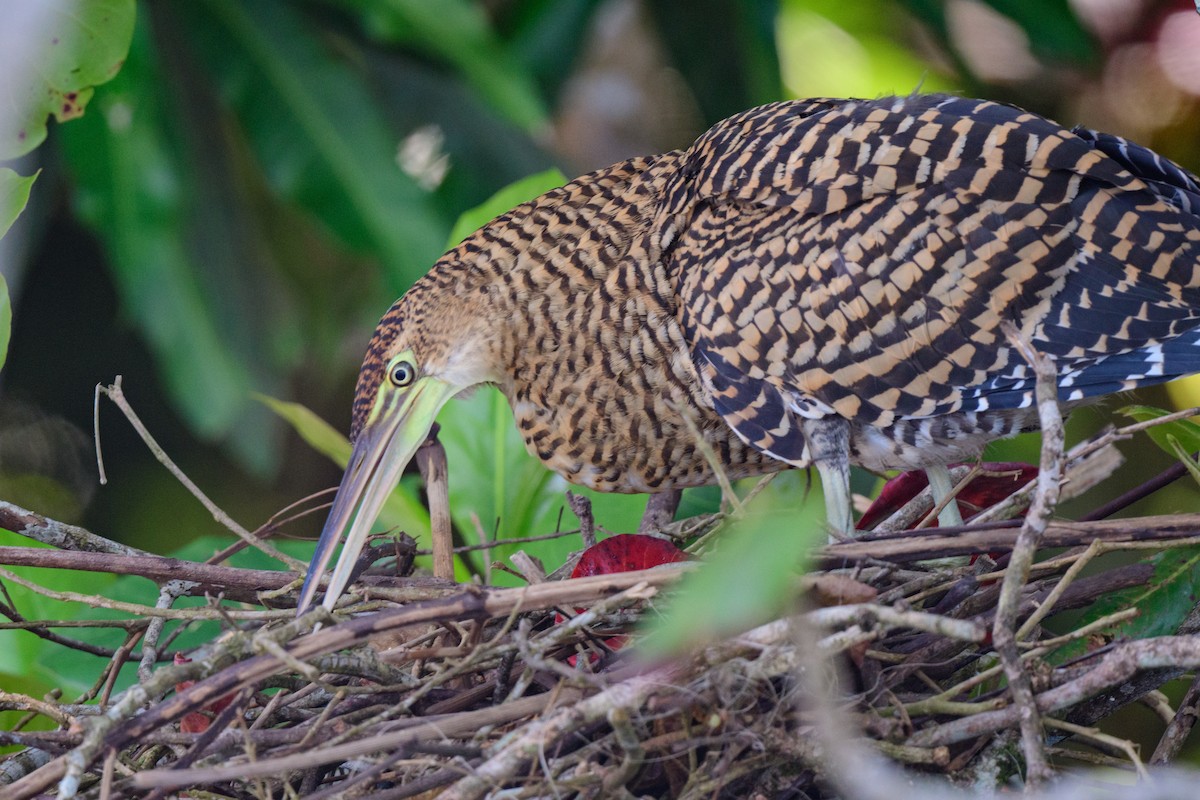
pixel 819 282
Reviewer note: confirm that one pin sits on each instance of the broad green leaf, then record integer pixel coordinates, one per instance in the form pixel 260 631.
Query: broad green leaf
pixel 25 653
pixel 749 575
pixel 458 32
pixel 505 200
pixel 493 479
pixel 71 46
pixel 316 130
pixel 14 194
pixel 403 508
pixel 1186 432
pixel 1163 602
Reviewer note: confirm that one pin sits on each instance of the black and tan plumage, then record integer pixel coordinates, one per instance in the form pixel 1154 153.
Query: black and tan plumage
pixel 813 282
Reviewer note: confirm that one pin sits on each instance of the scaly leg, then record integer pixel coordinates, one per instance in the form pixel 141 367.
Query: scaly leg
pixel 829 446
pixel 660 510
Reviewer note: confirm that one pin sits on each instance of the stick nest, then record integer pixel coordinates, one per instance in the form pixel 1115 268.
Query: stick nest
pixel 422 688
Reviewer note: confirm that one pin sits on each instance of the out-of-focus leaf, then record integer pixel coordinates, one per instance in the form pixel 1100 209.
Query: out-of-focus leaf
pixel 1054 30
pixel 731 66
pixel 403 508
pixel 546 36
pixel 831 48
pixel 1164 602
pixel 319 434
pixel 316 131
pixel 79 46
pixel 747 578
pixel 458 32
pixel 1185 392
pixel 133 188
pixel 504 200
pixel 14 194
pixel 5 320
pixel 1184 431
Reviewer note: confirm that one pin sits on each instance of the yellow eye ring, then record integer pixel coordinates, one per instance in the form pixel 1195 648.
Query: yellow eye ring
pixel 402 374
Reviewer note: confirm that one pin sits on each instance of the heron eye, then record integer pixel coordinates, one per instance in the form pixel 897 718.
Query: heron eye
pixel 403 374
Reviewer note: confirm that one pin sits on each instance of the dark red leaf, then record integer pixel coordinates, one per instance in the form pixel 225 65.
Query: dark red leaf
pixel 626 552
pixel 983 491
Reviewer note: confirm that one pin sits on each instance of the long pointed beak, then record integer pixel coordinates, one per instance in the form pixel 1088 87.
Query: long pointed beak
pixel 399 424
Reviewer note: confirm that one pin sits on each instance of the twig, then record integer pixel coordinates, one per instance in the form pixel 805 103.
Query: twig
pixel 1091 734
pixel 59 534
pixel 115 393
pixel 1180 727
pixel 167 595
pixel 412 732
pixel 431 460
pixel 190 614
pixel 1177 530
pixel 1117 666
pixel 581 507
pixel 1047 606
pixel 1045 499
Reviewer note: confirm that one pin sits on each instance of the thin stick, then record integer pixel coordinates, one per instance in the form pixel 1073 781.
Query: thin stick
pixel 1004 636
pixel 1177 731
pixel 96 434
pixel 431 460
pixel 115 394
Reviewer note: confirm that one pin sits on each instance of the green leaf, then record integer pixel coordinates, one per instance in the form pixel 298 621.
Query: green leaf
pixel 403 508
pixel 5 320
pixel 748 577
pixel 829 48
pixel 14 195
pixel 72 47
pixel 493 479
pixel 1185 457
pixel 316 130
pixel 1185 432
pixel 319 434
pixel 1164 602
pixel 505 200
pixel 458 32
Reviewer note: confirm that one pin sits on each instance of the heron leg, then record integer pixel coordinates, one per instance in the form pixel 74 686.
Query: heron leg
pixel 828 442
pixel 941 485
pixel 660 510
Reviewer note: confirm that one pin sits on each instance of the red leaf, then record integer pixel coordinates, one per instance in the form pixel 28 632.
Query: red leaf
pixel 983 491
pixel 626 552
